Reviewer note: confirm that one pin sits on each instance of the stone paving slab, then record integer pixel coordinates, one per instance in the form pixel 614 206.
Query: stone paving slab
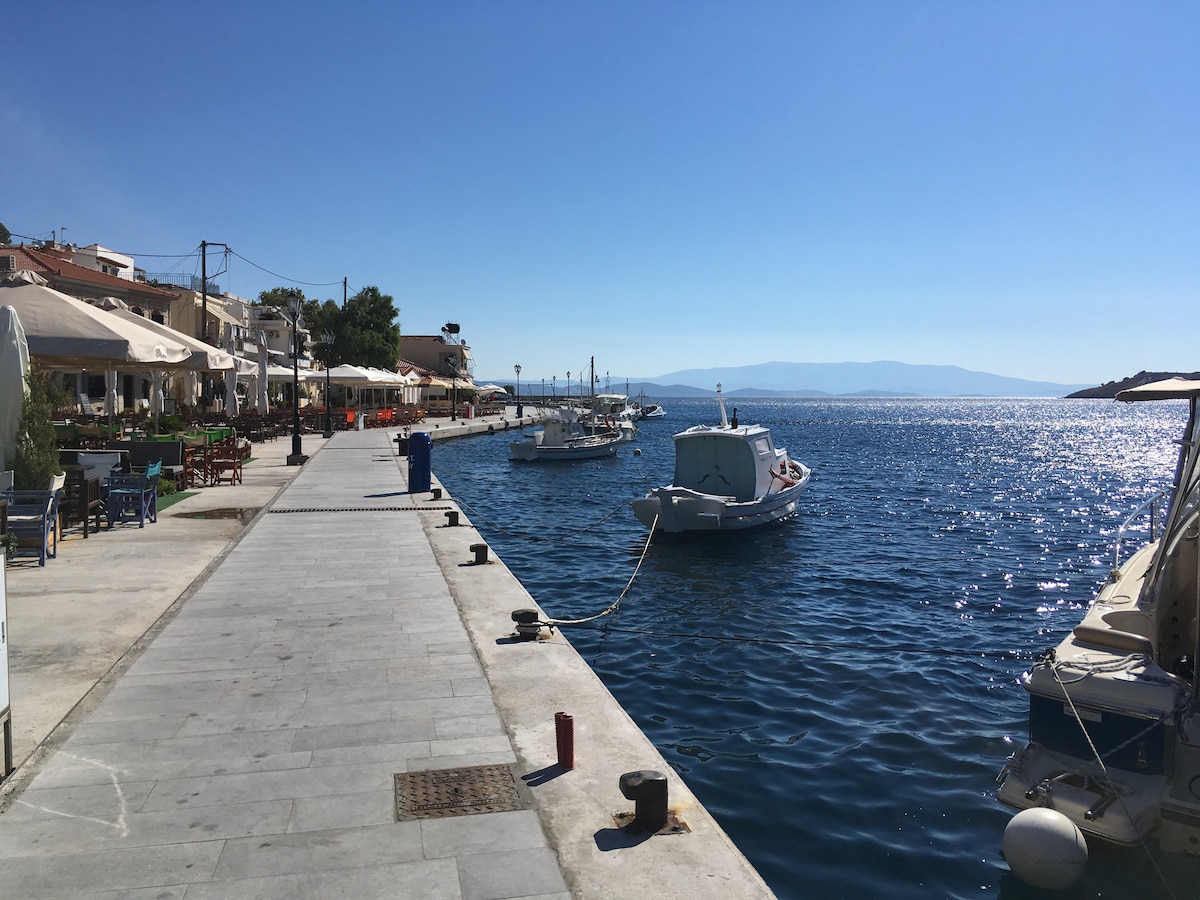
pixel 248 747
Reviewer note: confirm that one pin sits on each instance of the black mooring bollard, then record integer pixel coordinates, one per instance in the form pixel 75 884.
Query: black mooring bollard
pixel 451 518
pixel 480 551
pixel 648 790
pixel 437 493
pixel 527 623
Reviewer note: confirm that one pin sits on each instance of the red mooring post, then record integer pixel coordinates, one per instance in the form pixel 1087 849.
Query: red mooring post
pixel 564 733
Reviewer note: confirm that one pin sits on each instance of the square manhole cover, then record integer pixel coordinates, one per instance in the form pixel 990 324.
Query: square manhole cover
pixel 440 793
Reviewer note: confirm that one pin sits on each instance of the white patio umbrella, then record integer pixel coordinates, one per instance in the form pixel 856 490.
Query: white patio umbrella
pixel 66 333
pixel 260 404
pixel 14 365
pixel 202 357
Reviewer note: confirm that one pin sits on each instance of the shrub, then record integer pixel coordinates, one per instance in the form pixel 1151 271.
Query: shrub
pixel 37 448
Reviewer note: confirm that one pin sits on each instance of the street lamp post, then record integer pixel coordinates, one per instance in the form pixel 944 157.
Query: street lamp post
pixel 327 337
pixel 553 387
pixel 568 385
pixel 520 411
pixel 293 304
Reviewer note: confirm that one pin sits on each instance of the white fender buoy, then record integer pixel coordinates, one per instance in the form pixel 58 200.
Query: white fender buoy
pixel 637 451
pixel 1045 849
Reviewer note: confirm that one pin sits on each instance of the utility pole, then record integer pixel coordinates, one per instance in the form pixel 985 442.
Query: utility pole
pixel 204 245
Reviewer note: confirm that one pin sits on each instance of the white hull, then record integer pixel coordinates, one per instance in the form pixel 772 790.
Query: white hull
pixel 679 510
pixel 528 451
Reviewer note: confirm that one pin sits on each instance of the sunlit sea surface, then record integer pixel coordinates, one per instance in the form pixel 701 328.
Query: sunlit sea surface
pixel 840 689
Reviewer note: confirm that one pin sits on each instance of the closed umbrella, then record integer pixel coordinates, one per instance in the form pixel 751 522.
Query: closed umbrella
pixel 263 367
pixel 231 397
pixel 156 396
pixel 14 365
pixel 110 394
pixel 191 386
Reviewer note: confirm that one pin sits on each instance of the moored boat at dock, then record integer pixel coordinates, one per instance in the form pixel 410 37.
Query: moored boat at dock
pixel 727 477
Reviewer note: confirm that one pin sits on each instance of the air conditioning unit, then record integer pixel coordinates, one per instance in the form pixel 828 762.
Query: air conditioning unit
pixel 8 262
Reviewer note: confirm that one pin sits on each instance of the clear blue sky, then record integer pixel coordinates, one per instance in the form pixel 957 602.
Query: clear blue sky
pixel 1010 187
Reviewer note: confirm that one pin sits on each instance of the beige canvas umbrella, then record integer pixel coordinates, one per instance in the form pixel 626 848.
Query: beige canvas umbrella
pixel 202 357
pixel 66 333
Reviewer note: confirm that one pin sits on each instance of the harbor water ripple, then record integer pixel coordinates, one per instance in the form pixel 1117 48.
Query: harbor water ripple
pixel 839 689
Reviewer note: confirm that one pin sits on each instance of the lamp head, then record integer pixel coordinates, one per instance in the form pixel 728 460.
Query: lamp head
pixel 293 304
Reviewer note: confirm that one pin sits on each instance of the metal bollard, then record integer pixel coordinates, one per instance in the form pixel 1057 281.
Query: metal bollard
pixel 480 551
pixel 564 739
pixel 648 790
pixel 437 493
pixel 452 518
pixel 527 623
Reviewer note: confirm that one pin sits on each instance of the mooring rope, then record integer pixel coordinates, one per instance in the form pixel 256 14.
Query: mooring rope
pixel 613 606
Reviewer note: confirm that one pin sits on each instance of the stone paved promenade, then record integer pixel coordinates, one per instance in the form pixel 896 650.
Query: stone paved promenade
pixel 248 744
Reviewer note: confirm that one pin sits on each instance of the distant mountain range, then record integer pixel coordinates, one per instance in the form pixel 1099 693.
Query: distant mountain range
pixel 848 379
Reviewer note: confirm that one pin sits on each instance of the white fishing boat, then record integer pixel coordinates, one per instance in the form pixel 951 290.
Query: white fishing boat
pixel 648 410
pixel 563 437
pixel 1114 739
pixel 612 412
pixel 726 477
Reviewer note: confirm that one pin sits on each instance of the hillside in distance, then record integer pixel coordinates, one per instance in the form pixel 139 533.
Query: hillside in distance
pixel 854 379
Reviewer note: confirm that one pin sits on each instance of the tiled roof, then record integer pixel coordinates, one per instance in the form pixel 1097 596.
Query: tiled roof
pixel 48 262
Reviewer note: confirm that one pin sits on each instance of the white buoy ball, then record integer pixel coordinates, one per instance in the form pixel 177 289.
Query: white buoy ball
pixel 1045 848
pixel 637 451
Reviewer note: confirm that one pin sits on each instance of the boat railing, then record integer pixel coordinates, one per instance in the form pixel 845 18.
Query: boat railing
pixel 1152 502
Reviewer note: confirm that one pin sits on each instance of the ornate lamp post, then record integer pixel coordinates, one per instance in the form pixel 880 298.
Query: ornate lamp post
pixel 568 385
pixel 520 412
pixel 327 337
pixel 293 305
pixel 553 387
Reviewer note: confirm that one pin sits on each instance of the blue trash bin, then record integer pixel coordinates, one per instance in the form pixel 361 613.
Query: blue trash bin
pixel 420 453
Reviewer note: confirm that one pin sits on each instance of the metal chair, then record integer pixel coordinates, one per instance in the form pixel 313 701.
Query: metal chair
pixel 134 496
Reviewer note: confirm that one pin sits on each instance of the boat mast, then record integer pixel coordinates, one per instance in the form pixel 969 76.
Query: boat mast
pixel 721 403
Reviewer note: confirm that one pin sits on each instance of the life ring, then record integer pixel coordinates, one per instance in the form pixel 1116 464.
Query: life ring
pixel 610 422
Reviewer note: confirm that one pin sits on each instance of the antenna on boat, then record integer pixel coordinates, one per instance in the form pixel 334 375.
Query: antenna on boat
pixel 721 402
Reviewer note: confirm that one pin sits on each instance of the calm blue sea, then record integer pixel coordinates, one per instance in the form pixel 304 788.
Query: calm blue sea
pixel 840 689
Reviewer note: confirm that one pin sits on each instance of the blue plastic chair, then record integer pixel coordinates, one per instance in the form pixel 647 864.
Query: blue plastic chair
pixel 134 496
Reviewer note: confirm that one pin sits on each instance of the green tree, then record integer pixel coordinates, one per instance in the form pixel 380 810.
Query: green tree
pixel 5 234
pixel 37 450
pixel 369 335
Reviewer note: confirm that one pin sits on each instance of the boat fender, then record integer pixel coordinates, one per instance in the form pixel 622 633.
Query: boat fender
pixel 1045 848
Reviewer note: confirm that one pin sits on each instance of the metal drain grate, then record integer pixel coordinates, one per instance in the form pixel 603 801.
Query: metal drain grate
pixel 440 793
pixel 338 509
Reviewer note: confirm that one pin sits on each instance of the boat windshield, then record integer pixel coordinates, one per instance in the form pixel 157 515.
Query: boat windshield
pixel 1185 502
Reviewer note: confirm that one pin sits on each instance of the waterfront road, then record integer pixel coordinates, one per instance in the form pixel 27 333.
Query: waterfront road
pixel 305 686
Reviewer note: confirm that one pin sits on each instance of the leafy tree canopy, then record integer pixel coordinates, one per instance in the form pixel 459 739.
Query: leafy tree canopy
pixel 365 330
pixel 5 234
